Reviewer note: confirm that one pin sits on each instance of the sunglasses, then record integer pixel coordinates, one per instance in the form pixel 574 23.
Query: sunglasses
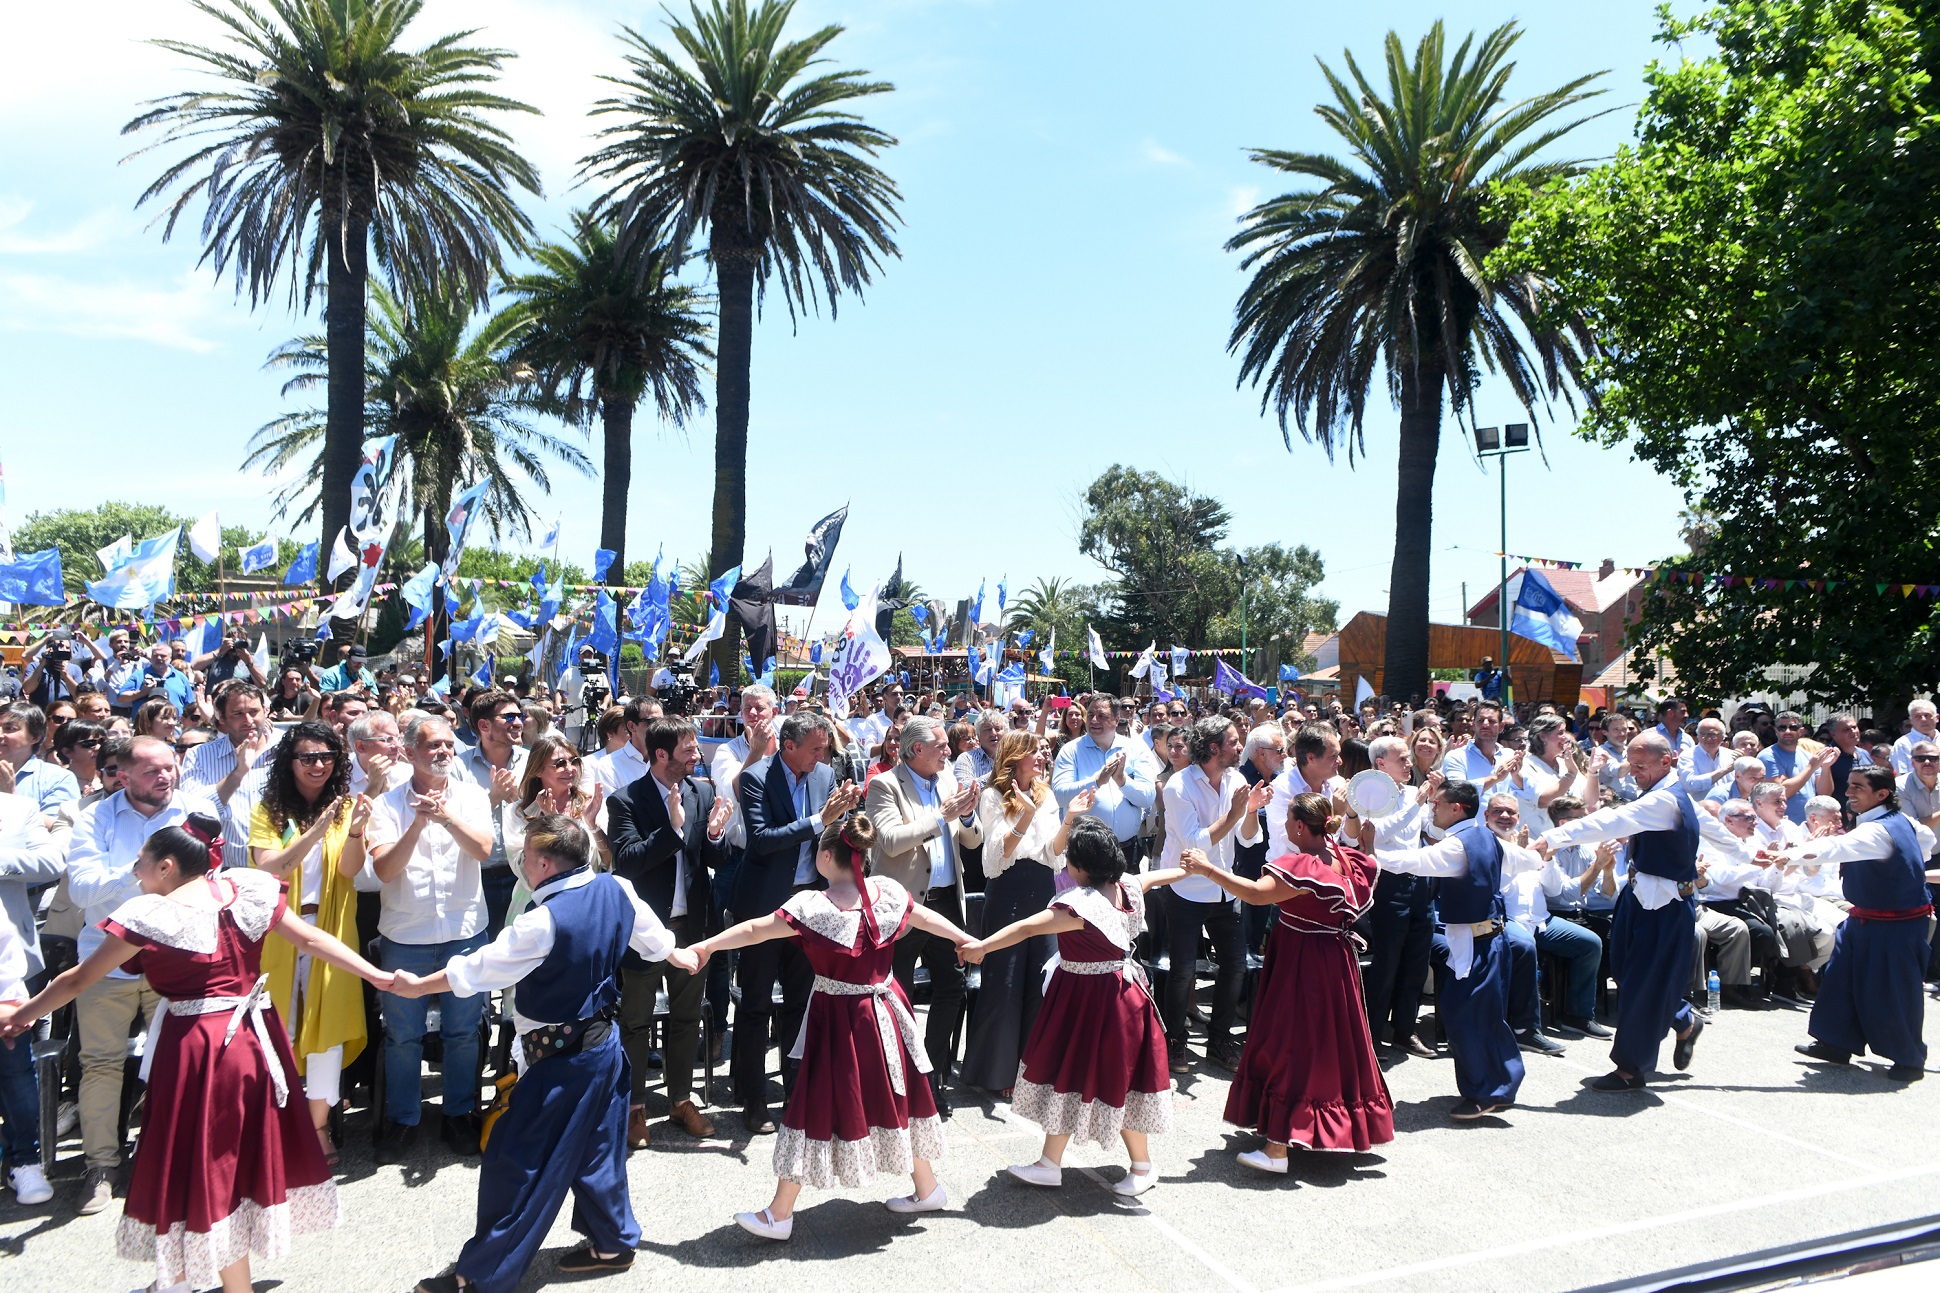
pixel 1791 727
pixel 1918 758
pixel 91 743
pixel 563 763
pixel 513 717
pixel 315 758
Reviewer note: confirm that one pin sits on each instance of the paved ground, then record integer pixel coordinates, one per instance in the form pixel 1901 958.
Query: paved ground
pixel 1753 1149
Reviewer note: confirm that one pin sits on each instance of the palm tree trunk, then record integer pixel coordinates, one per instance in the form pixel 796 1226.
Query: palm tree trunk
pixel 343 436
pixel 616 419
pixel 1405 669
pixel 736 273
pixel 437 624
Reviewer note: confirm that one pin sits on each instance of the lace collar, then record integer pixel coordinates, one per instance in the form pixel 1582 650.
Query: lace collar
pixel 1096 909
pixel 813 908
pixel 189 929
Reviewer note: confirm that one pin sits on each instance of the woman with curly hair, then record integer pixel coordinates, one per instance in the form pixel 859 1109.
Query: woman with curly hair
pixel 308 831
pixel 862 1102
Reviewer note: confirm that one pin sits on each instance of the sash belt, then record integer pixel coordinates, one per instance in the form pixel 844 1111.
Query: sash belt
pixel 1873 913
pixel 254 1006
pixel 892 1016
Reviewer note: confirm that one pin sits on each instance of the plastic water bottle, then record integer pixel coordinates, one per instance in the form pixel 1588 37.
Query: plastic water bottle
pixel 1711 992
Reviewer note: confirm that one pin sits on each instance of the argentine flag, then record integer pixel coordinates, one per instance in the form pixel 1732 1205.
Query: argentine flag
pixel 1537 613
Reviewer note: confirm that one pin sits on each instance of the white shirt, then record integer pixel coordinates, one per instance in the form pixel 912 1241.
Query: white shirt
pixel 725 771
pixel 1038 837
pixel 526 941
pixel 1285 786
pixel 620 769
pixel 1655 810
pixel 1867 841
pixel 360 779
pixel 437 897
pixel 1401 829
pixel 1193 806
pixel 1903 750
pixel 1527 894
pixel 869 731
pixel 1529 785
pixel 1448 856
pixel 108 837
pixel 679 907
pixel 203 771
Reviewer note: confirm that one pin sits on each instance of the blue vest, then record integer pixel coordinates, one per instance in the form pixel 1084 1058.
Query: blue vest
pixel 1477 896
pixel 1671 854
pixel 1898 883
pixel 581 974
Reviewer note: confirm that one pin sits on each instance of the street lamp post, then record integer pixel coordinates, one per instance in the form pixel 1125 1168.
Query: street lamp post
pixel 1513 438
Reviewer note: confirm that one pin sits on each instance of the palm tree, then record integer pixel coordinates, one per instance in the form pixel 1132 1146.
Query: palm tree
pixel 769 159
pixel 330 140
pixel 1385 263
pixel 602 332
pixel 454 399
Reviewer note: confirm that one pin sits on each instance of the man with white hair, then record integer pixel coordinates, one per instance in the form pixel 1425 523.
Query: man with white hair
pixel 980 760
pixel 428 839
pixel 1925 721
pixel 1402 934
pixel 1704 762
pixel 1651 936
pixel 1717 928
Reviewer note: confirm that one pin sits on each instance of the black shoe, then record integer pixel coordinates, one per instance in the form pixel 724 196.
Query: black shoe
pixel 1589 1028
pixel 447 1283
pixel 1226 1057
pixel 1820 1051
pixel 1467 1111
pixel 1681 1053
pixel 397 1146
pixel 1906 1073
pixel 1417 1047
pixel 1541 1045
pixel 1614 1081
pixel 1178 1058
pixel 1740 996
pixel 460 1134
pixel 758 1122
pixel 583 1258
pixel 941 1094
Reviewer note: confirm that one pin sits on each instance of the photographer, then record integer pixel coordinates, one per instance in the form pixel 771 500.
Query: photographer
pixel 293 696
pixel 582 693
pixel 158 676
pixel 230 660
pixel 51 672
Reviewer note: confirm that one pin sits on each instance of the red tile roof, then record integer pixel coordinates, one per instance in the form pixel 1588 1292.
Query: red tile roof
pixel 1585 593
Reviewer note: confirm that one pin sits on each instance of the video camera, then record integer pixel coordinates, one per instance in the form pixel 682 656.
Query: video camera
pixel 677 699
pixel 61 649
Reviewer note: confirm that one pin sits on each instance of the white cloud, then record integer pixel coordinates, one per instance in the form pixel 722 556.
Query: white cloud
pixel 173 317
pixel 1242 198
pixel 16 240
pixel 1159 155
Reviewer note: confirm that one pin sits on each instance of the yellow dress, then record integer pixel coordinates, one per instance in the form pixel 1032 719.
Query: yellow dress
pixel 332 1011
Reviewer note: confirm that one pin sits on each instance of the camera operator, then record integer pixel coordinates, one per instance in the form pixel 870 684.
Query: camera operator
pixel 51 672
pixel 582 693
pixel 158 676
pixel 293 697
pixel 230 660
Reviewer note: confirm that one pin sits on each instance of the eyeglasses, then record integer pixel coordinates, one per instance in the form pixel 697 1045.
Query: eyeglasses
pixel 510 716
pixel 94 743
pixel 563 763
pixel 1791 727
pixel 315 758
pixel 1918 758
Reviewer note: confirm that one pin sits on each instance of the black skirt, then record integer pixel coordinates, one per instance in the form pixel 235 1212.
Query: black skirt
pixel 1013 979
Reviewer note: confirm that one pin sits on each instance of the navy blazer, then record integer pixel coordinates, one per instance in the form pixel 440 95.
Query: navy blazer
pixel 775 834
pixel 644 844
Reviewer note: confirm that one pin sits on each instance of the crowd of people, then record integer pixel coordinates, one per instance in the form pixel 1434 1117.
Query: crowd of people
pixel 278 878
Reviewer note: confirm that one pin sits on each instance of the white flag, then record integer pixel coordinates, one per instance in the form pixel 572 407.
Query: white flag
pixel 550 538
pixel 1362 690
pixel 342 557
pixel 1097 648
pixel 261 654
pixel 205 537
pixel 1145 663
pixel 860 657
pixel 116 554
pixel 1050 651
pixel 715 628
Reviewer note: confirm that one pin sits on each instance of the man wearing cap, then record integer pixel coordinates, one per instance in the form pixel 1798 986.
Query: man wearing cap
pixel 349 673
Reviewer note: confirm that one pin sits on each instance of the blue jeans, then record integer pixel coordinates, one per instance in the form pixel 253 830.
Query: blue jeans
pixel 404 1028
pixel 1525 1009
pixel 1581 953
pixel 19 1104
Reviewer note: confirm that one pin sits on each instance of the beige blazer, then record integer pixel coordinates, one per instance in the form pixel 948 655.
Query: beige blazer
pixel 904 828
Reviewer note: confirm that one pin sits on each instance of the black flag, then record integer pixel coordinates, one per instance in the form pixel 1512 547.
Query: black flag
pixel 805 585
pixel 751 605
pixel 892 600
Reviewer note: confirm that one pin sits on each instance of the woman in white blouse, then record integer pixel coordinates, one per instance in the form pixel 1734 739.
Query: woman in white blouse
pixel 552 785
pixel 1023 854
pixel 1548 769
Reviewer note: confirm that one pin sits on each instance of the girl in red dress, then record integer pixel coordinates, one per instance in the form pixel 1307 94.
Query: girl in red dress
pixel 862 1103
pixel 227 1163
pixel 1308 1076
pixel 1095 1064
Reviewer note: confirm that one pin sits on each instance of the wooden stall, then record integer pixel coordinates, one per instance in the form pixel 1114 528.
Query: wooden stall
pixel 1538 673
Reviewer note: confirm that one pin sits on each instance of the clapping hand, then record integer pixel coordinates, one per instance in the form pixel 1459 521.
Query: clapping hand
pixel 431 805
pixel 718 816
pixel 360 808
pixel 593 801
pixel 1081 803
pixel 840 801
pixel 1522 836
pixel 1258 796
pixel 6 777
pixel 1430 786
pixel 505 787
pixel 960 803
pixel 1364 838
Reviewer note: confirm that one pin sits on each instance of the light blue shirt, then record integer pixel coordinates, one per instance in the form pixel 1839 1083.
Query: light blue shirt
pixel 1120 807
pixel 47 784
pixel 1778 766
pixel 474 767
pixel 942 845
pixel 798 791
pixel 1696 764
pixel 1470 764
pixel 101 861
pixel 1676 739
pixel 337 678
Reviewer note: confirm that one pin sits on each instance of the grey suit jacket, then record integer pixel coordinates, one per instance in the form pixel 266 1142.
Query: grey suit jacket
pixel 904 828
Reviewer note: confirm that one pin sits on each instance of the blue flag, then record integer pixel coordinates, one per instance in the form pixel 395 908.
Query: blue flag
pixel 539 579
pixel 1289 673
pixel 849 600
pixel 976 607
pixel 33 579
pixel 602 562
pixel 719 588
pixel 919 612
pixel 714 674
pixel 304 569
pixel 1024 638
pixel 483 676
pixel 1540 615
pixel 260 556
pixel 566 655
pixel 815 653
pixel 605 637
pixel 1012 674
pixel 1001 593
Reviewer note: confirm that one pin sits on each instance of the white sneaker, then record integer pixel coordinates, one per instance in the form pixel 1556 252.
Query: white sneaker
pixel 67 1119
pixel 938 1199
pixel 1038 1173
pixel 1258 1160
pixel 764 1224
pixel 1141 1178
pixel 30 1185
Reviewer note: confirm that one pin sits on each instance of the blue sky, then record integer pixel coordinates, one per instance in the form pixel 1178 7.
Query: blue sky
pixel 1070 172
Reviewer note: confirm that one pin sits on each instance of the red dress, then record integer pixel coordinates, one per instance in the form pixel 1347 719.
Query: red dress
pixel 227 1165
pixel 1095 1064
pixel 1308 1074
pixel 862 1102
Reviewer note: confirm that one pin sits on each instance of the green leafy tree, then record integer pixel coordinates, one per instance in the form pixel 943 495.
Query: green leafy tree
pixel 1381 264
pixel 1763 270
pixel 81 533
pixel 1274 608
pixel 748 140
pixel 605 329
pixel 325 139
pixel 1158 539
pixel 1061 605
pixel 453 399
